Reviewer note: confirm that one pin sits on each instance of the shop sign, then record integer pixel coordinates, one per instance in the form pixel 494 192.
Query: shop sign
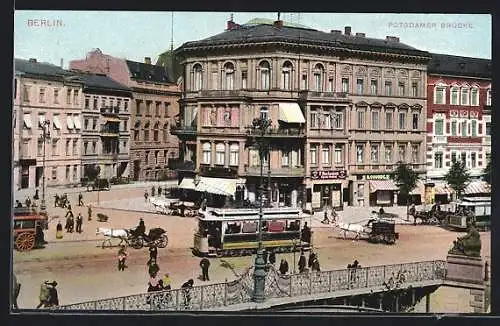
pixel 327 175
pixel 378 177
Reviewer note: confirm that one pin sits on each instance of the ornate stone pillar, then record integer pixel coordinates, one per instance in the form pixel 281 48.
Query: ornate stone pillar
pixel 212 153
pixel 226 154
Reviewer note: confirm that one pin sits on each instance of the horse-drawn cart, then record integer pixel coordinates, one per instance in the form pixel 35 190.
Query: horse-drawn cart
pixel 382 231
pixel 28 228
pixel 157 237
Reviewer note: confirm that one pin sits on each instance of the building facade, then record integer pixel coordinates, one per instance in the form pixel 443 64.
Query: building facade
pixel 153 109
pixel 46 96
pixel 458 116
pixel 105 126
pixel 343 108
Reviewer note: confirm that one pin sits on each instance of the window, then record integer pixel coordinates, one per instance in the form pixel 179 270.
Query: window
pixel 402 120
pixel 234 154
pixel 463 157
pixel 488 97
pixel 314 154
pixel 165 132
pixel 207 153
pixel 54 173
pixel 146 157
pixel 94 124
pixel 40 147
pixel 388 88
pixel 488 129
pixel 220 153
pixel 374 153
pixel 54 147
pixel 75 172
pixel 401 89
pixel 75 97
pixel 285 158
pixel 454 96
pixel 125 105
pixel 414 121
pixel 327 121
pixel 94 147
pixel 42 95
pixel 375 120
pixel 264 113
pixel 165 157
pixel 338 154
pixel 125 126
pixel 87 102
pixel 146 131
pixel 304 81
pixel 453 156
pixel 85 124
pixel 465 96
pixel 474 96
pixel 318 78
pixel 359 153
pixel 414 89
pixel 338 119
pixel 148 107
pixel 374 87
pixel 157 109
pixel 414 153
pixel 464 128
pixel 156 131
pixel 104 99
pixel 402 153
pixel 67 147
pixel 473 161
pixel 438 160
pixel 439 95
pixel 330 84
pixel 454 128
pixel 67 171
pixel 438 127
pixel 325 157
pixel 473 126
pixel 361 118
pixel 75 147
pixel 359 86
pixel 229 76
pixel 198 78
pixel 388 153
pixel 119 103
pixel 68 96
pixel 345 85
pixel 85 147
pixel 26 94
pixel 264 75
pixel 156 156
pixel 314 119
pixel 95 102
pixel 56 96
pixel 244 79
pixel 388 120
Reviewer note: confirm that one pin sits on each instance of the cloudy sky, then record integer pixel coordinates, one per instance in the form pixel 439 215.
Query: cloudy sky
pixel 135 35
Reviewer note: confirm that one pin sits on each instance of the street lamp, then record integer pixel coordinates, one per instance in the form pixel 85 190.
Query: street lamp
pixel 45 136
pixel 260 266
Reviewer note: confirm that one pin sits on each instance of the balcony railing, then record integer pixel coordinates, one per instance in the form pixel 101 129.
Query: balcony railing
pixel 275 172
pixel 177 130
pixel 110 110
pixel 277 132
pixel 326 95
pixel 222 93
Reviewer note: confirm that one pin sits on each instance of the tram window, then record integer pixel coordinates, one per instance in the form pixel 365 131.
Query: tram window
pixel 233 228
pixel 24 224
pixel 276 226
pixel 250 227
pixel 487 210
pixel 479 210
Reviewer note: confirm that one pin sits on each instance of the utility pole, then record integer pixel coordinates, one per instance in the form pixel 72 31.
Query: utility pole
pixel 45 137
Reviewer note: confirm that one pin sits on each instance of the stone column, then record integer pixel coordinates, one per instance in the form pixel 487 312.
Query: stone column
pixel 241 154
pixel 212 153
pixel 226 154
pixel 319 152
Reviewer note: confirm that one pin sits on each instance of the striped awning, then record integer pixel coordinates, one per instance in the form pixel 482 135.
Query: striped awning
pixel 217 186
pixel 419 189
pixel 478 187
pixel 187 183
pixel 442 189
pixel 291 113
pixel 383 185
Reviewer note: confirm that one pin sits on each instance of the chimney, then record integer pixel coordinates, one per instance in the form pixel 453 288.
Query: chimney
pixel 347 30
pixel 231 25
pixel 336 31
pixel 147 60
pixel 360 34
pixel 62 61
pixel 278 24
pixel 392 39
pixel 32 60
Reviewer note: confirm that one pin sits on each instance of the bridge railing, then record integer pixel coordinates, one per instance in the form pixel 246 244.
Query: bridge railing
pixel 212 296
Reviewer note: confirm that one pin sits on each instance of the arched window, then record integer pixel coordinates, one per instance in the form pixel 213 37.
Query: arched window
pixel 474 96
pixel 318 77
pixel 265 75
pixel 229 76
pixel 146 131
pixel 464 98
pixel 207 153
pixel 156 131
pixel 220 153
pixel 165 132
pixel 286 74
pixel 197 77
pixel 137 128
pixel 234 154
pixel 454 95
pixel 440 94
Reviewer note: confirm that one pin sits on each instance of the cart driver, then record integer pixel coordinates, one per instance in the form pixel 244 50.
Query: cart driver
pixel 140 230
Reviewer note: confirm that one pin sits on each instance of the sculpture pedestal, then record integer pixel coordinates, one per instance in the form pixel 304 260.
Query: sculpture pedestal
pixel 463 268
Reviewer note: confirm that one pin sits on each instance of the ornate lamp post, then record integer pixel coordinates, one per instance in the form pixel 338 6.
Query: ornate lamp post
pixel 45 136
pixel 260 266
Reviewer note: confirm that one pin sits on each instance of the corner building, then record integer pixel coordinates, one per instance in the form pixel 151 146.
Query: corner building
pixel 342 106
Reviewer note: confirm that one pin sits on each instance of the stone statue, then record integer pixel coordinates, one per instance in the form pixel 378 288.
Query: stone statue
pixel 467 245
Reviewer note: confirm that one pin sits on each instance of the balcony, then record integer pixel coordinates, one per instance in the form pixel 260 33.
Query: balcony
pixel 109 132
pixel 183 130
pixel 110 110
pixel 329 133
pixel 276 172
pixel 439 140
pixel 110 155
pixel 277 132
pixel 221 93
pixel 312 95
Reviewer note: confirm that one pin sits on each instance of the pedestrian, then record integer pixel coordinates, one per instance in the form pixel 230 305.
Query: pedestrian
pixel 153 252
pixel 302 262
pixel 146 195
pixel 18 204
pixel 56 200
pixel 16 289
pixel 187 287
pixel 36 197
pixel 122 258
pixel 153 191
pixel 80 199
pixel 312 256
pixel 69 212
pixel 306 233
pixel 283 267
pixel 159 191
pixel 79 222
pixel 315 265
pixel 28 202
pixel 39 236
pixel 272 257
pixel 48 295
pixel 204 264
pixel 166 282
pixel 325 218
pixel 90 213
pixel 59 228
pixel 381 211
pixel 153 267
pixel 265 255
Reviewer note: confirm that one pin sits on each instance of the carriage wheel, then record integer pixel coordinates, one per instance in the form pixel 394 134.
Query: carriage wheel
pixel 25 241
pixel 163 241
pixel 136 243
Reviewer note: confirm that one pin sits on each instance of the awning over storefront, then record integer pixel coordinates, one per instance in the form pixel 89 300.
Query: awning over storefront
pixel 291 113
pixel 478 187
pixel 187 183
pixel 217 186
pixel 419 189
pixel 442 189
pixel 382 185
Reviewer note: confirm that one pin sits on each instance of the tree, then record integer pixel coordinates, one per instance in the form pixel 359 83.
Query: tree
pixel 487 173
pixel 92 171
pixel 406 179
pixel 457 177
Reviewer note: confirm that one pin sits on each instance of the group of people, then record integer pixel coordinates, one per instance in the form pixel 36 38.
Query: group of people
pixel 153 192
pixel 312 262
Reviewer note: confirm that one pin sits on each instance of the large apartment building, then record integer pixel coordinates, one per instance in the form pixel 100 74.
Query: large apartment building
pixel 344 109
pixel 153 109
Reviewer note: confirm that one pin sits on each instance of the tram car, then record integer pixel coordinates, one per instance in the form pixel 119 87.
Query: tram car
pixel 471 210
pixel 234 232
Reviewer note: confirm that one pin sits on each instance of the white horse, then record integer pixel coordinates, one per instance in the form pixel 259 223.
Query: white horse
pixel 109 234
pixel 357 229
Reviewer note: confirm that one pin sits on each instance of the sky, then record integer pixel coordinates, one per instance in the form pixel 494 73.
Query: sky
pixel 135 35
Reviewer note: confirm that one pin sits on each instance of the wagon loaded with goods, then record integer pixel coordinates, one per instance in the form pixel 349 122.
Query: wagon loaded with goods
pixel 382 231
pixel 28 225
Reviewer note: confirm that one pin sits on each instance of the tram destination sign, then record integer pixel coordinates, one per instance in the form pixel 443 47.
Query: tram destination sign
pixel 327 175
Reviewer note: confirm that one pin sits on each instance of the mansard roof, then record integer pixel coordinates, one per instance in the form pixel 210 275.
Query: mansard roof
pixel 147 72
pixel 40 69
pixel 445 64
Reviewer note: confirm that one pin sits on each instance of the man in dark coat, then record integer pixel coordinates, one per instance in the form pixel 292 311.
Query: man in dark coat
pixel 310 261
pixel 306 233
pixel 186 290
pixel 302 262
pixel 265 255
pixel 159 190
pixel 141 228
pixel 56 200
pixel 283 267
pixel 204 264
pixel 153 252
pixel 36 197
pixel 90 213
pixel 153 191
pixel 79 223
pixel 315 265
pixel 80 199
pixel 272 257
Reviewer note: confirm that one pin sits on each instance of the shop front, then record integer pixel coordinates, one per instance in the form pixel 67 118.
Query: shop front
pixel 284 192
pixel 383 190
pixel 325 189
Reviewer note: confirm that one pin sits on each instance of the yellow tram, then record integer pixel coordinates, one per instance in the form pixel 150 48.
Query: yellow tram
pixel 234 232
